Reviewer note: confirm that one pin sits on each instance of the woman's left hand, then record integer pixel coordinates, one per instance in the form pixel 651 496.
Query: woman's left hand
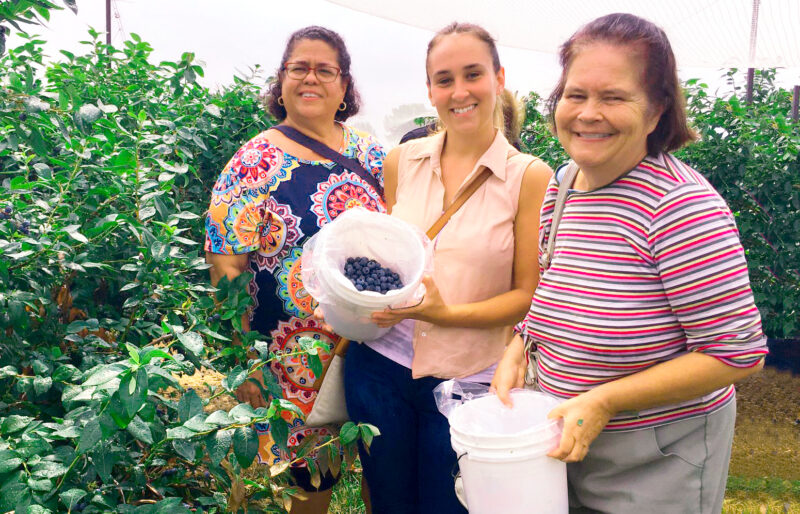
pixel 432 308
pixel 584 418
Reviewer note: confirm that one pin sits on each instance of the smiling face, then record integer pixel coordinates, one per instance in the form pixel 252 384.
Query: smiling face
pixel 310 99
pixel 462 83
pixel 604 116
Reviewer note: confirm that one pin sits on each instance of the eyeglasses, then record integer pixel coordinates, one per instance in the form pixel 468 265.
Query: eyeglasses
pixel 323 72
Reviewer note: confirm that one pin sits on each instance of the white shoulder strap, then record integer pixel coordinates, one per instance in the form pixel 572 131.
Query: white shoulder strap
pixel 566 182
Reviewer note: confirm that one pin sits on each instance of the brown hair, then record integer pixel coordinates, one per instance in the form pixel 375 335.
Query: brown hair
pixel 315 33
pixel 659 73
pixel 507 111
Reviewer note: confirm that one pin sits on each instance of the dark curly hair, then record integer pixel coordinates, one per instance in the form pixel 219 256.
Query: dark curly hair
pixel 315 33
pixel 659 73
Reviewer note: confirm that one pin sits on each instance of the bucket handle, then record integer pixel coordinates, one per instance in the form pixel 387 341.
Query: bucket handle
pixel 456 471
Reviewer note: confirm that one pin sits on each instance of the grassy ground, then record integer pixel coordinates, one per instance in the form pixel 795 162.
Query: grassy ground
pixel 765 463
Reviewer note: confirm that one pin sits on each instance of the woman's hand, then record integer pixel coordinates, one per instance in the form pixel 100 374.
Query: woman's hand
pixel 320 316
pixel 584 418
pixel 510 372
pixel 432 308
pixel 250 393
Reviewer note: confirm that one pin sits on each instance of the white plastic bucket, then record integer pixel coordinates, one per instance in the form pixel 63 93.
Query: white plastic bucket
pixel 503 455
pixel 391 242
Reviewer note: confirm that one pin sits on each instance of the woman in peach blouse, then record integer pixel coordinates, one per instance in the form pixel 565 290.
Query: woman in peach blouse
pixel 485 272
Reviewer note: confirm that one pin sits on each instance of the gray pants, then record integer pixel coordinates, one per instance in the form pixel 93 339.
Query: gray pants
pixel 681 467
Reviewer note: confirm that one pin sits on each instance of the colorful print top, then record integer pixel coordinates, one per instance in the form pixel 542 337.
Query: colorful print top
pixel 644 270
pixel 267 203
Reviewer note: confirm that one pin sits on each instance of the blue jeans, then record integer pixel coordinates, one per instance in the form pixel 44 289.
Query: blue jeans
pixel 409 466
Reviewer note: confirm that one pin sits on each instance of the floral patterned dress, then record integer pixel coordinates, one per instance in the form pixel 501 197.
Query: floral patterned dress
pixel 267 203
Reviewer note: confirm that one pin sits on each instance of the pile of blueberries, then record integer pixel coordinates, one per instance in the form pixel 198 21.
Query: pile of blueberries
pixel 368 275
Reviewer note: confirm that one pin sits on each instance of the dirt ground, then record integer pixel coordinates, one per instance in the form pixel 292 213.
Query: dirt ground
pixel 767 437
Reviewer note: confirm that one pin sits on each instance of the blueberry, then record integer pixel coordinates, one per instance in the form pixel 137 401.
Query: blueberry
pixel 207 475
pixel 23 230
pixel 8 209
pixel 359 287
pixel 350 261
pixel 216 317
pixel 3 216
pixel 169 472
pixel 26 223
pixel 23 116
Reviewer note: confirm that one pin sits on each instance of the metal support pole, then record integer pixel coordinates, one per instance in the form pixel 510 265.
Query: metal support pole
pixel 795 102
pixel 108 22
pixel 751 72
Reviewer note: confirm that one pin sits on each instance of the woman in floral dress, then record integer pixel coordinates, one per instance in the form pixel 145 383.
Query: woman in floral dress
pixel 269 199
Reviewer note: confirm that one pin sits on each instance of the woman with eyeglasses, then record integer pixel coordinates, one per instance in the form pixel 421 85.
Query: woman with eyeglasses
pixel 271 197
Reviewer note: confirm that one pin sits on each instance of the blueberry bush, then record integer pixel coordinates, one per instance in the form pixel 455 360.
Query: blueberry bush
pixel 106 164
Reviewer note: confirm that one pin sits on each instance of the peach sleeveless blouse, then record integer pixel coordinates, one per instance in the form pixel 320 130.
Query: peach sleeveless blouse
pixel 474 252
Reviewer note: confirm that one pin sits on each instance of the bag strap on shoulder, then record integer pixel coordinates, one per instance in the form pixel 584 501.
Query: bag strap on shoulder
pixel 330 154
pixel 558 210
pixel 473 186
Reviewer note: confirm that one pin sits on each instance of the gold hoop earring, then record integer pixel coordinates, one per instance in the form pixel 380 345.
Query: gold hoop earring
pixel 280 101
pixel 343 106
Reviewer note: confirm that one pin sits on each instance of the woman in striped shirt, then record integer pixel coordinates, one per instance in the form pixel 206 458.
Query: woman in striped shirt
pixel 645 318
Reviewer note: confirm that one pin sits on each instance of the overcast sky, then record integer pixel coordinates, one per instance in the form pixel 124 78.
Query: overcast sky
pixel 232 37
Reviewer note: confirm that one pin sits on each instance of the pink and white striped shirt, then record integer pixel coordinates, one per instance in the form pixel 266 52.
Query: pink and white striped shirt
pixel 644 270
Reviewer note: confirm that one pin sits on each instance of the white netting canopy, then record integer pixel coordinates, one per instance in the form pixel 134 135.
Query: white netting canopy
pixel 703 33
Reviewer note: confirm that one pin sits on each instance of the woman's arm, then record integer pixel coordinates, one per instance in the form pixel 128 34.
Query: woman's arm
pixel 390 178
pixel 681 379
pixel 503 309
pixel 231 266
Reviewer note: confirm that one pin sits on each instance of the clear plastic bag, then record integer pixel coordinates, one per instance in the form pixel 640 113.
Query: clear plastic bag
pixel 358 232
pixel 452 393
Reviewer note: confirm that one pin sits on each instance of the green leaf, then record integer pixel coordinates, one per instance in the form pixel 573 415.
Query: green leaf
pixel 242 413
pixel 186 449
pixel 48 469
pixel 104 463
pixel 140 430
pixel 90 437
pixel 193 342
pixel 218 445
pixel 219 417
pixel 133 391
pixel 12 493
pixel 42 384
pixel 348 433
pixel 152 353
pixel 189 406
pixel 9 461
pixel 368 432
pixel 235 378
pixel 72 497
pixel 315 363
pixel 180 433
pixel 72 230
pixel 14 423
pixel 279 430
pixel 146 213
pixel 89 113
pixel 245 445
pixel 103 374
pixel 198 423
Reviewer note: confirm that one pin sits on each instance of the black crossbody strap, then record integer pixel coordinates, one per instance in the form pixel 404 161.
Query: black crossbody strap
pixel 330 154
